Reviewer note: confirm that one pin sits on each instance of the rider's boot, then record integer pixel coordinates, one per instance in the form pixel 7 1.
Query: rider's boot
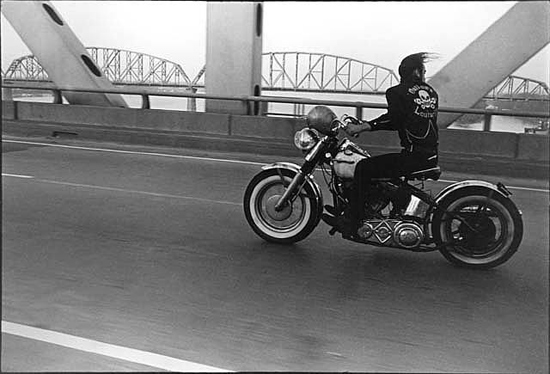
pixel 349 229
pixel 342 223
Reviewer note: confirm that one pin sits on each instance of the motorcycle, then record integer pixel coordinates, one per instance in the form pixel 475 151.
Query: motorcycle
pixel 472 223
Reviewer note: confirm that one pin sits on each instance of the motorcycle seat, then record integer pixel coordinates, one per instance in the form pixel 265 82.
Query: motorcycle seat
pixel 425 174
pixel 431 173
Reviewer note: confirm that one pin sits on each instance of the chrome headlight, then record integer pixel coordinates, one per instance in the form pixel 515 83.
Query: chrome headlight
pixel 306 138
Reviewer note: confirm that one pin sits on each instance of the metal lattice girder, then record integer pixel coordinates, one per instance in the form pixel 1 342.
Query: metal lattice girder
pixel 27 68
pixel 128 67
pixel 119 66
pixel 302 71
pixel 286 71
pixel 198 78
pixel 515 87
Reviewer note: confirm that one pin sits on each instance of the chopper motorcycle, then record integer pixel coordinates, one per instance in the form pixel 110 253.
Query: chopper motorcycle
pixel 472 223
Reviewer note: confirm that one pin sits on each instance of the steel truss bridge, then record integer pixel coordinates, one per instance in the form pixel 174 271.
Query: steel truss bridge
pixel 282 71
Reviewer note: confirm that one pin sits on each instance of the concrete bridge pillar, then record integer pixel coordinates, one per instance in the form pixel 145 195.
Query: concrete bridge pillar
pixel 233 55
pixel 59 51
pixel 504 47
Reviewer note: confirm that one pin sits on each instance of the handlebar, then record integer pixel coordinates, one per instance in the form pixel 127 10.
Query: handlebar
pixel 343 123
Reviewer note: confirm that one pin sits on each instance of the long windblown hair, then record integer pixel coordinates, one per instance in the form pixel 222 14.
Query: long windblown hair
pixel 414 61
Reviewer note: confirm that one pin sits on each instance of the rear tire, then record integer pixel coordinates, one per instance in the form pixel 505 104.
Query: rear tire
pixel 499 228
pixel 295 222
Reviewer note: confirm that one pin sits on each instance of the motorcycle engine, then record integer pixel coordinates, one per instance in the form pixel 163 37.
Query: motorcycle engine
pixel 392 232
pixel 377 199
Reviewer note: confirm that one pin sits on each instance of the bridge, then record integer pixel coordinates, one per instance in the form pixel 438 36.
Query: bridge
pixel 282 71
pixel 140 213
pixel 518 88
pixel 120 67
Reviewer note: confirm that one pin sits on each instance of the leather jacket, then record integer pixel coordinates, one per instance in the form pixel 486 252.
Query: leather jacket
pixel 412 112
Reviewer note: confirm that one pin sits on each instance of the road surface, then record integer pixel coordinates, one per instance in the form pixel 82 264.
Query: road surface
pixel 125 258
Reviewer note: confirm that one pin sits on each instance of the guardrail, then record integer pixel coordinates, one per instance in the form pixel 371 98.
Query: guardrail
pixel 253 102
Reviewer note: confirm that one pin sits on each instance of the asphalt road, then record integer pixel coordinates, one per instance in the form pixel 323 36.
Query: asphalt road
pixel 151 252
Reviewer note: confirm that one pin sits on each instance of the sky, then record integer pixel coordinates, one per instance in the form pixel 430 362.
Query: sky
pixel 381 33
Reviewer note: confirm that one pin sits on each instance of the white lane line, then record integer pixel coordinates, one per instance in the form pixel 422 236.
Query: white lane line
pixel 209 159
pixel 508 187
pixel 138 153
pixel 528 189
pixel 110 350
pixel 139 192
pixel 17 176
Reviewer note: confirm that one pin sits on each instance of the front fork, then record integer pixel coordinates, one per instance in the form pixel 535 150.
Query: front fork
pixel 292 191
pixel 301 176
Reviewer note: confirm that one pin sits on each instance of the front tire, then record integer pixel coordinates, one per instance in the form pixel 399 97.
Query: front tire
pixel 497 224
pixel 294 222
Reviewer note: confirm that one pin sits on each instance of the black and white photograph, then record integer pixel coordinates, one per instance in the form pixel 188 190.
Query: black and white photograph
pixel 275 186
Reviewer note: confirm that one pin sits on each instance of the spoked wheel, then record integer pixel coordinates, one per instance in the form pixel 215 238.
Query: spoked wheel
pixel 478 231
pixel 294 222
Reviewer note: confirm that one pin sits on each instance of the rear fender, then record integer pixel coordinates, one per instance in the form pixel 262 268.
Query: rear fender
pixel 499 188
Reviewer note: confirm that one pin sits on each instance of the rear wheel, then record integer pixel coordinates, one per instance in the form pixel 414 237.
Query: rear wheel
pixel 291 224
pixel 478 231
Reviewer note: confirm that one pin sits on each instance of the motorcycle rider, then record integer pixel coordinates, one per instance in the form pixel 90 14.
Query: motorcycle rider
pixel 412 112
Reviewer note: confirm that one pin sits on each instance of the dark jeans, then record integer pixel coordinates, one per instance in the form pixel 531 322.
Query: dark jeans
pixel 391 165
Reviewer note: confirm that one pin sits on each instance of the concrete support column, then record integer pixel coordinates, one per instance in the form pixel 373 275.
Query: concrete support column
pixel 233 55
pixel 7 94
pixel 504 47
pixel 59 51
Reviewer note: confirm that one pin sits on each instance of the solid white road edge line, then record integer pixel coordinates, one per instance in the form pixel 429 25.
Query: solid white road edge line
pixel 508 187
pixel 17 176
pixel 138 192
pixel 110 350
pixel 136 152
pixel 123 190
pixel 207 159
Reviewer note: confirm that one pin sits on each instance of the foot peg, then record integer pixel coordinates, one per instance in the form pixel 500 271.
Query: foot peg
pixel 328 219
pixel 331 210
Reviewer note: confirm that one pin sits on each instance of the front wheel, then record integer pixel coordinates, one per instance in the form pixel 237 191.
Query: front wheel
pixel 291 224
pixel 477 229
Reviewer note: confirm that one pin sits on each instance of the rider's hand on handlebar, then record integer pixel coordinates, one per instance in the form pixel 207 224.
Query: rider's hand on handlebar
pixel 354 126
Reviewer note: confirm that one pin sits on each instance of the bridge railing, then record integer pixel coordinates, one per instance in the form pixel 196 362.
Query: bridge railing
pixel 254 103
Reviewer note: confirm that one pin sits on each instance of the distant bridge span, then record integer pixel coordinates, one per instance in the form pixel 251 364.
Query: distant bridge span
pixel 518 88
pixel 282 71
pixel 119 66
